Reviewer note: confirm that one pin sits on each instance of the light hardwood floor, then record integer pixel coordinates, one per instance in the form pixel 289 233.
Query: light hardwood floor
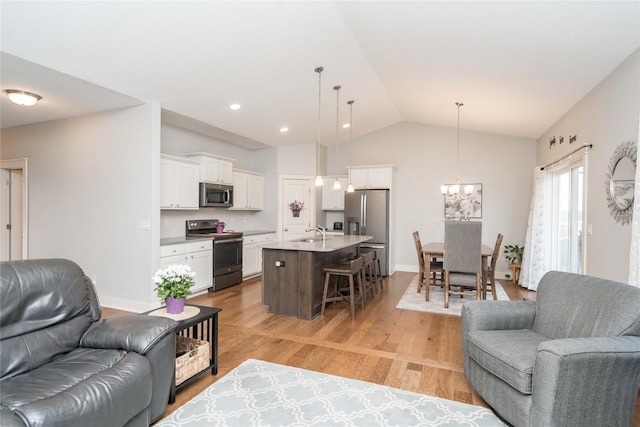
pixel 415 351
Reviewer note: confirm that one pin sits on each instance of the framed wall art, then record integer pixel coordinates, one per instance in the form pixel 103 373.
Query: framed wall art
pixel 462 205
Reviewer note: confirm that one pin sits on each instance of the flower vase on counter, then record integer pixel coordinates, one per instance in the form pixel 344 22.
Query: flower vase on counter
pixel 220 227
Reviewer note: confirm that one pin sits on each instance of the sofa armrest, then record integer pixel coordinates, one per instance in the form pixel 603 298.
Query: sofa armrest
pixel 131 333
pixel 586 381
pixel 496 315
pixel 8 418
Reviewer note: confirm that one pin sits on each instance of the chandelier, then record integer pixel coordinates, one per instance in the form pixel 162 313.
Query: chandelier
pixel 455 188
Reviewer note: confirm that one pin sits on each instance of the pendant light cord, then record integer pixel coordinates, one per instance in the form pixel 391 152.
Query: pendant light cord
pixel 319 70
pixel 337 89
pixel 458 104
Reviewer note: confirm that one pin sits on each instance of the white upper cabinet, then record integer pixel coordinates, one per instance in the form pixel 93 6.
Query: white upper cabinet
pixel 248 190
pixel 215 169
pixel 371 176
pixel 178 183
pixel 333 200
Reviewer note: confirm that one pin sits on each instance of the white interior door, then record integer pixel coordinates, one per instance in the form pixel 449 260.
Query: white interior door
pixel 297 189
pixel 12 211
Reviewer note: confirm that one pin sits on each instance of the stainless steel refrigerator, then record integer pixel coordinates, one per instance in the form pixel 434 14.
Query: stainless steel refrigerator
pixel 366 213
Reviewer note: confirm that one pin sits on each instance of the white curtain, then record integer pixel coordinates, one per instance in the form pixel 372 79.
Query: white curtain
pixel 634 253
pixel 535 259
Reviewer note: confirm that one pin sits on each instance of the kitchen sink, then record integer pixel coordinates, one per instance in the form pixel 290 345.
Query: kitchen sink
pixel 310 240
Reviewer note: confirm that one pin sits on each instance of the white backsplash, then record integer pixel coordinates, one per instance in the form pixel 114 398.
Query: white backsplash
pixel 173 223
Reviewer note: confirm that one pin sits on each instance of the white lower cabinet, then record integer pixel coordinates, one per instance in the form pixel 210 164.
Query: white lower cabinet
pixel 197 255
pixel 252 253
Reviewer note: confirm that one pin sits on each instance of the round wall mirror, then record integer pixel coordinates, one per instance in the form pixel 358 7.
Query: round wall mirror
pixel 620 184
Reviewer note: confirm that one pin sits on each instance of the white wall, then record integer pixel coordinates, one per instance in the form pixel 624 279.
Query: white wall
pixel 607 116
pixel 424 158
pixel 92 181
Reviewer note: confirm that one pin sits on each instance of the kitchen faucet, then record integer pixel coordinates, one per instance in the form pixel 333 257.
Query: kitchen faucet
pixel 320 229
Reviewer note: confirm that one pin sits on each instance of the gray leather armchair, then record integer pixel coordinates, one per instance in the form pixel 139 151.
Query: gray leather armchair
pixel 61 365
pixel 570 358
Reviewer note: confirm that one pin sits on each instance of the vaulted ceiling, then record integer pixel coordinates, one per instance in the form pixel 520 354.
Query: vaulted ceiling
pixel 517 66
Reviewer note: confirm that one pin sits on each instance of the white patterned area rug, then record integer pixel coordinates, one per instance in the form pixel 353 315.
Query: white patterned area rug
pixel 258 393
pixel 411 300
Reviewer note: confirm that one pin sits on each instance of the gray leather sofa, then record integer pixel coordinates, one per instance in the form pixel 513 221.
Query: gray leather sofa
pixel 570 358
pixel 63 366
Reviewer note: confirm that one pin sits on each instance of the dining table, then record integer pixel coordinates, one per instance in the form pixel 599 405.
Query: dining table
pixel 436 250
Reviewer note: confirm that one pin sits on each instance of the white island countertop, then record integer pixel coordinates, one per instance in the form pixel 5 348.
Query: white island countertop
pixel 332 243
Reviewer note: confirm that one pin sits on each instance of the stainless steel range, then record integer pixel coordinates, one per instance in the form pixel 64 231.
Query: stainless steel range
pixel 227 251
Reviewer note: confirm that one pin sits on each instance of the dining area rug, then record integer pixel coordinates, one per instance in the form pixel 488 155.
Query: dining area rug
pixel 258 393
pixel 412 300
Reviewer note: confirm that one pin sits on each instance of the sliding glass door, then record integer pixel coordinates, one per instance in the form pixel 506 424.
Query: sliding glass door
pixel 567 225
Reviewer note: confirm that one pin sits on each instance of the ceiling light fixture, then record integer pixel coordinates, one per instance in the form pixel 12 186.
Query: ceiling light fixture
pixel 22 98
pixel 235 107
pixel 284 129
pixel 336 183
pixel 350 188
pixel 455 188
pixel 319 70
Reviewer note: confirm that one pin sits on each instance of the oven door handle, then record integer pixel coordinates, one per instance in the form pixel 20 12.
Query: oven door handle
pixel 225 241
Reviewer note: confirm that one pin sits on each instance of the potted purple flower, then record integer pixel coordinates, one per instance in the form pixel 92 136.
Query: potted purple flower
pixel 173 285
pixel 220 227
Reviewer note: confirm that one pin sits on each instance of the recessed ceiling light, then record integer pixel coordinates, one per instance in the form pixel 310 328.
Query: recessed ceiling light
pixel 22 98
pixel 235 107
pixel 284 129
pixel 346 126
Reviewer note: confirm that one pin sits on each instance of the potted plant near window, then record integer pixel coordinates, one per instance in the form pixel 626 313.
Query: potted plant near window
pixel 173 285
pixel 513 253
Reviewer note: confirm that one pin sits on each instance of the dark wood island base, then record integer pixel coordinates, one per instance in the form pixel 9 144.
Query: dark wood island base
pixel 293 277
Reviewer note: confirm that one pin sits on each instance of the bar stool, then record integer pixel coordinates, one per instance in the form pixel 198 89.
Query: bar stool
pixel 368 275
pixel 347 293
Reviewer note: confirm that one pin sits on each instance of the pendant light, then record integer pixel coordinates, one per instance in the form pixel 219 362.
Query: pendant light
pixel 319 70
pixel 455 188
pixel 350 188
pixel 336 183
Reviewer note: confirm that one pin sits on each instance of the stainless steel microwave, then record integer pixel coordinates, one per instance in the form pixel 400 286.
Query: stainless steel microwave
pixel 216 195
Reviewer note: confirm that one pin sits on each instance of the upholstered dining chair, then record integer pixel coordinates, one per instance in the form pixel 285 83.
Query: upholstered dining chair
pixel 435 267
pixel 462 259
pixel 491 273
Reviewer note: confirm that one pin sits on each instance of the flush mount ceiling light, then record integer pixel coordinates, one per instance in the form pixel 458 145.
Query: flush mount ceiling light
pixel 455 188
pixel 22 98
pixel 284 129
pixel 319 70
pixel 235 107
pixel 336 183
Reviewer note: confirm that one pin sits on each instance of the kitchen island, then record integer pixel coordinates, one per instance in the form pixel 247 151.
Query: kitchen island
pixel 293 272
